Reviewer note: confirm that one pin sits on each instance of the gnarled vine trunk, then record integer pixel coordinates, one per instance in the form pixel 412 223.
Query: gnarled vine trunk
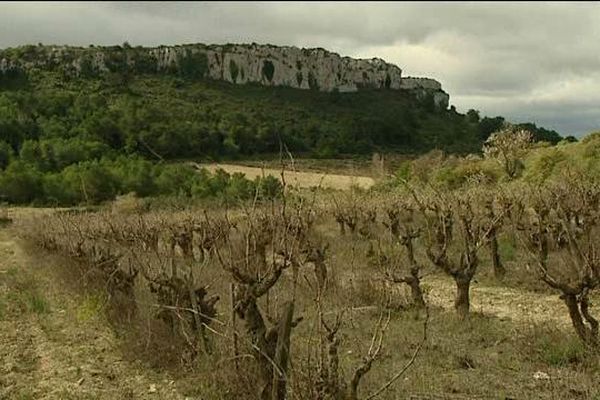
pixel 499 270
pixel 416 292
pixel 462 301
pixel 578 311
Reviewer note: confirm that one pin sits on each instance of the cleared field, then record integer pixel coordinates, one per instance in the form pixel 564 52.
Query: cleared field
pixel 355 166
pixel 296 178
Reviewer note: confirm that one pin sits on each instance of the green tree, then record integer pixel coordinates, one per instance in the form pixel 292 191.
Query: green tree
pixel 92 182
pixel 176 179
pixel 540 134
pixel 15 125
pixel 473 116
pixel 240 188
pixel 21 184
pixel 135 175
pixel 6 154
pixel 489 125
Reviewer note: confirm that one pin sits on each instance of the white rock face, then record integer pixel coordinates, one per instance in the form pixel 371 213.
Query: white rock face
pixel 286 66
pixel 441 99
pixel 267 65
pixel 424 86
pixel 410 83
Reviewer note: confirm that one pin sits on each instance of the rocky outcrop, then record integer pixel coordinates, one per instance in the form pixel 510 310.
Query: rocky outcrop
pixel 285 66
pixel 423 87
pixel 315 69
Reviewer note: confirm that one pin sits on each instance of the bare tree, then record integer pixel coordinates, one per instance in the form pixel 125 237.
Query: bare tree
pixel 404 231
pixel 454 221
pixel 561 231
pixel 493 213
pixel 352 211
pixel 331 384
pixel 267 244
pixel 507 146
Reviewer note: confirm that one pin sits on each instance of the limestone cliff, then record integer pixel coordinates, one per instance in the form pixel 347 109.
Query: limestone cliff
pixel 315 69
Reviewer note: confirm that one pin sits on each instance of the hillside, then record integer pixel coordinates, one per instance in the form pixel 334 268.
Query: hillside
pixel 67 111
pixel 183 109
pixel 176 101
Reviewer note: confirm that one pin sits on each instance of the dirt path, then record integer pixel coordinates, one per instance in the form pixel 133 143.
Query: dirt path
pixel 520 305
pixel 54 347
pixel 300 179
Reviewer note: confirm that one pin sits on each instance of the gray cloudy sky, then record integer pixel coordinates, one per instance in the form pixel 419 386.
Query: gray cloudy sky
pixel 526 61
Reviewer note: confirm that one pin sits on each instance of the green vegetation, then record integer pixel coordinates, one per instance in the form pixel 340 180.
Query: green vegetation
pixel 557 350
pixel 268 70
pixel 180 116
pixel 87 141
pixel 194 65
pixel 26 296
pixel 233 70
pixel 538 163
pixel 489 125
pixel 95 181
pixel 66 140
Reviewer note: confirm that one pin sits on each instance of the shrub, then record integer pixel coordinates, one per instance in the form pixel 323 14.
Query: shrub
pixel 135 175
pixel 477 172
pixel 240 188
pixel 6 154
pixel 176 179
pixel 591 137
pixel 545 164
pixel 193 65
pixel 58 192
pixel 57 153
pixel 20 183
pixel 128 204
pixel 447 178
pixel 422 167
pixel 89 182
pixel 233 70
pixel 269 187
pixel 507 249
pixel 268 70
pixel 219 181
pixel 37 303
pixel 403 172
pixel 507 146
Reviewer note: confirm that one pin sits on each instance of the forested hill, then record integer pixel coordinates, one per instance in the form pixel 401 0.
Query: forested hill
pixel 181 113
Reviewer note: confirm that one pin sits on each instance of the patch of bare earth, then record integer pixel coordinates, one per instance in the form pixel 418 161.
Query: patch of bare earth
pixel 297 178
pixel 519 306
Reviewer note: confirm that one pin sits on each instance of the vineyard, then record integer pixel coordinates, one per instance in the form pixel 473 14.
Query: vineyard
pixel 316 295
pixel 237 201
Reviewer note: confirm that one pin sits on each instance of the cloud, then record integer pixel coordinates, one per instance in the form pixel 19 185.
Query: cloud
pixel 521 60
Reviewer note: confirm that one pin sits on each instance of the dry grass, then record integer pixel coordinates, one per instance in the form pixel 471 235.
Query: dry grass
pixel 340 166
pixel 299 179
